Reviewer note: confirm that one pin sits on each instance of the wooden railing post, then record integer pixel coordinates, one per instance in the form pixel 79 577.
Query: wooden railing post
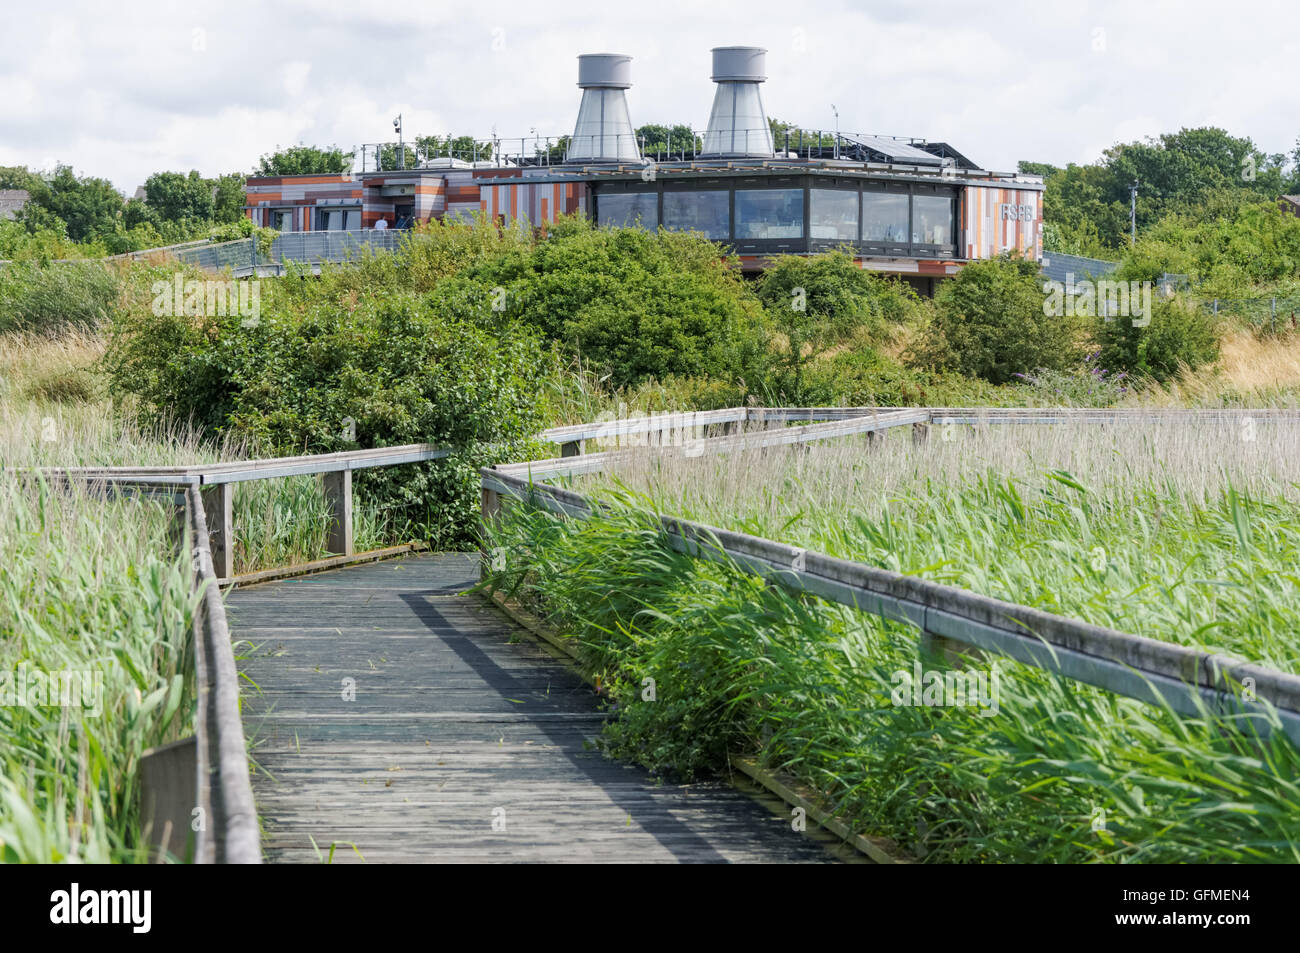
pixel 338 496
pixel 176 524
pixel 219 511
pixel 490 508
pixel 168 795
pixel 920 434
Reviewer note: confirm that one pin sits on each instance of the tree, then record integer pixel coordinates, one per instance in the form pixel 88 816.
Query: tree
pixel 88 206
pixel 388 157
pixel 1024 167
pixel 175 197
pixel 18 177
pixel 657 141
pixel 457 147
pixel 305 160
pixel 1201 172
pixel 989 322
pixel 228 204
pixel 788 135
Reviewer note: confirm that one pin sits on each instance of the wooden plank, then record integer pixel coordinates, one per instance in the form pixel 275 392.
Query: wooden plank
pixel 227 820
pixel 783 436
pixel 454 716
pixel 878 850
pixel 168 796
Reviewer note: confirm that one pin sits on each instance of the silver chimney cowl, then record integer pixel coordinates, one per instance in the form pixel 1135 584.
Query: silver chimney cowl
pixel 738 124
pixel 603 132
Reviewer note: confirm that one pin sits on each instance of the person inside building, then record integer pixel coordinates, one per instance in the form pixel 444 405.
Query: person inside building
pixel 381 224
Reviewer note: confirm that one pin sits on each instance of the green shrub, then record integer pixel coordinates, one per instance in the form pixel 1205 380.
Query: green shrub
pixel 1180 334
pixel 632 304
pixel 857 378
pixel 989 323
pixel 815 303
pixel 57 295
pixel 395 369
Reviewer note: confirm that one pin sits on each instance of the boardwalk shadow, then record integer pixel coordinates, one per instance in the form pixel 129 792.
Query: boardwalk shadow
pixel 656 819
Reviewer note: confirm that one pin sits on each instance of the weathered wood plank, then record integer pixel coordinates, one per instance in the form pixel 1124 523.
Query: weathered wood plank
pixel 454 721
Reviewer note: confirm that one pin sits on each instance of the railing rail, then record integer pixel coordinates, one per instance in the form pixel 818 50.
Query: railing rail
pixel 1190 681
pixel 227 830
pixel 224 817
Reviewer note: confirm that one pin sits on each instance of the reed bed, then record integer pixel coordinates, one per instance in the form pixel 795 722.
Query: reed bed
pixel 93 595
pixel 90 596
pixel 1183 533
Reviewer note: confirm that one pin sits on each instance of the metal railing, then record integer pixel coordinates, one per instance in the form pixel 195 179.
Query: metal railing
pixel 682 145
pixel 1189 681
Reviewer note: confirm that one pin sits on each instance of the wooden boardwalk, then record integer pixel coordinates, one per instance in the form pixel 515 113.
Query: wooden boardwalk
pixel 459 725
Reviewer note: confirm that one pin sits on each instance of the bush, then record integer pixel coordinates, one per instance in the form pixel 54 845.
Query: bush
pixel 633 305
pixel 1091 385
pixel 394 369
pixel 57 295
pixel 1180 334
pixel 815 303
pixel 856 378
pixel 989 323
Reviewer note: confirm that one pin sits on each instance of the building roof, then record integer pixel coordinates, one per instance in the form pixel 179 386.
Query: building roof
pixel 12 201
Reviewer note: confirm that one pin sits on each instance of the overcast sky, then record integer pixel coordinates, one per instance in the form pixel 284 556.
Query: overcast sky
pixel 125 89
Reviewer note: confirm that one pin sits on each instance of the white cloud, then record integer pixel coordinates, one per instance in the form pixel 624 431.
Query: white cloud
pixel 128 89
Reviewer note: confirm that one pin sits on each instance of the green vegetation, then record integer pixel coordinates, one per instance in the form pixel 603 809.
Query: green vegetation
pixel 1179 335
pixel 80 295
pixel 477 336
pixel 91 597
pixel 1200 173
pixel 305 160
pixel 989 322
pixel 70 216
pixel 634 305
pixel 1172 533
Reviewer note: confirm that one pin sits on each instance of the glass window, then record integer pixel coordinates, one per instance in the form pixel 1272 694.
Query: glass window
pixel 884 217
pixel 628 209
pixel 833 214
pixel 932 219
pixel 701 211
pixel 284 219
pixel 338 219
pixel 769 213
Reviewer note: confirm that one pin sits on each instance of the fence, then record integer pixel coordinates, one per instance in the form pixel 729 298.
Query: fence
pixel 201 783
pixel 1189 681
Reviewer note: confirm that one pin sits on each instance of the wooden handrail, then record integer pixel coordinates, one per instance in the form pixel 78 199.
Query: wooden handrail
pixel 227 819
pixel 1188 680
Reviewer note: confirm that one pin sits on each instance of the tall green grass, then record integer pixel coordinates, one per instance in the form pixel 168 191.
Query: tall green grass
pixel 740 667
pixel 1188 533
pixel 1185 534
pixel 89 587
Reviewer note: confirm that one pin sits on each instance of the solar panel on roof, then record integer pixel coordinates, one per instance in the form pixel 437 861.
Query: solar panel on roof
pixel 899 151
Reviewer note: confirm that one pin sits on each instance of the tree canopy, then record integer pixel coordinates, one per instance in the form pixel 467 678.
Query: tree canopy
pixel 1206 173
pixel 305 160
